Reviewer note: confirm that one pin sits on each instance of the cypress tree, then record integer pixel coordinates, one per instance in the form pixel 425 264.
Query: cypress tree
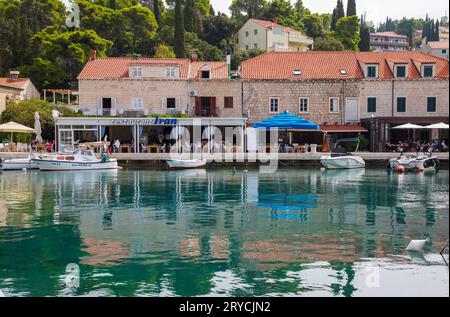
pixel 364 34
pixel 351 8
pixel 157 12
pixel 189 16
pixel 436 31
pixel 179 30
pixel 333 20
pixel 340 12
pixel 211 11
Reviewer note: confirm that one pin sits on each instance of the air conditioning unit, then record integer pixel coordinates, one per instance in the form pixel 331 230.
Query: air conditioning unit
pixel 192 93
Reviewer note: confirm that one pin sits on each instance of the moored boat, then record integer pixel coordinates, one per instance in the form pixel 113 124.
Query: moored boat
pixel 18 164
pixel 80 160
pixel 341 159
pixel 416 163
pixel 186 164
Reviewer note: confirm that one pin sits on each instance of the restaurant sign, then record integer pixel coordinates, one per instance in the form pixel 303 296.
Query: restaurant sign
pixel 145 122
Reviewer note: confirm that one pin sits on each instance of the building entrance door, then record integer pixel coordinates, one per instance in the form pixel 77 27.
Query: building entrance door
pixel 351 110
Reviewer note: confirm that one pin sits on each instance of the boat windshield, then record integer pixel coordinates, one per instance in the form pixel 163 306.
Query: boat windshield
pixel 340 148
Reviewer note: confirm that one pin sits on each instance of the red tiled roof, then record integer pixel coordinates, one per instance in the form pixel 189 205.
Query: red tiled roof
pixel 327 65
pixel 343 128
pixel 118 67
pixel 269 25
pixel 313 65
pixel 389 34
pixel 414 59
pixel 438 45
pixel 19 83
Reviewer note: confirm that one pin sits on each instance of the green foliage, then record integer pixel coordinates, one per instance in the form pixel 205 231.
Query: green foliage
pixel 179 30
pixel 203 7
pixel 218 30
pixel 347 32
pixel 23 113
pixel 327 43
pixel 312 25
pixel 338 13
pixel 364 36
pixel 242 10
pixel 205 51
pixel 351 8
pixel 164 51
pixel 283 11
pixel 45 74
pixel 238 57
pixel 189 16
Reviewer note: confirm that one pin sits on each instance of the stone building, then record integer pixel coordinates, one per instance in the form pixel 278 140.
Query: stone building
pixel 16 88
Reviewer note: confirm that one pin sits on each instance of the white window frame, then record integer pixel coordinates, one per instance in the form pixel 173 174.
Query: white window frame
pixel 376 71
pixel 171 72
pixel 137 72
pixel 278 31
pixel 247 33
pixel 401 65
pixel 137 103
pixel 206 69
pixel 337 104
pixel 396 104
pixel 300 105
pixel 255 31
pixel 270 104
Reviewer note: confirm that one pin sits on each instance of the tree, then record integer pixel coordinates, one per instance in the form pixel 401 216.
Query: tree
pixel 189 16
pixel 283 11
pixel 351 8
pixel 300 9
pixel 139 26
pixel 179 30
pixel 327 43
pixel 238 57
pixel 247 8
pixel 217 30
pixel 364 36
pixel 157 12
pixel 203 7
pixel 338 13
pixel 347 32
pixel 164 51
pixel 313 25
pixel 205 51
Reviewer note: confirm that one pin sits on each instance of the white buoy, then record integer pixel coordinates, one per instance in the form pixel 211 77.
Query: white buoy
pixel 417 245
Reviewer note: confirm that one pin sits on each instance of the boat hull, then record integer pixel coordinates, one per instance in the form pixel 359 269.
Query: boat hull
pixel 177 164
pixel 343 162
pixel 48 165
pixel 17 164
pixel 415 164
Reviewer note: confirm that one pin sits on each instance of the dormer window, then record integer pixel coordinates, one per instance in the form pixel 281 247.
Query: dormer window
pixel 205 72
pixel 297 72
pixel 428 71
pixel 372 71
pixel 400 71
pixel 343 72
pixel 137 72
pixel 171 72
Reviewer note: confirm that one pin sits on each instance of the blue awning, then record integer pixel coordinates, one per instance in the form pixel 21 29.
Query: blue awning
pixel 286 121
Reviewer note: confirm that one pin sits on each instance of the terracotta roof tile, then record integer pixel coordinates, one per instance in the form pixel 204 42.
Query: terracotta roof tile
pixel 327 65
pixel 219 70
pixel 438 45
pixel 389 34
pixel 19 83
pixel 313 65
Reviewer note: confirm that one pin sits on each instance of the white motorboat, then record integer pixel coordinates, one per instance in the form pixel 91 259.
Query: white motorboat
pixel 83 160
pixel 185 164
pixel 18 164
pixel 341 159
pixel 420 163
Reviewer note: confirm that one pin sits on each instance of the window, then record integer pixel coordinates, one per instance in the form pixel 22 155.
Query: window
pixel 171 103
pixel 278 31
pixel 431 104
pixel 297 72
pixel 334 105
pixel 400 72
pixel 371 71
pixel 137 72
pixel 228 102
pixel 274 105
pixel 428 71
pixel 371 104
pixel 247 34
pixel 247 47
pixel 137 103
pixel 255 32
pixel 343 72
pixel 401 104
pixel 171 72
pixel 304 103
pixel 205 74
pixel 444 51
pixel 255 45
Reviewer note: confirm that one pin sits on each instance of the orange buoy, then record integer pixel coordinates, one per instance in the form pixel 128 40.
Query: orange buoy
pixel 400 169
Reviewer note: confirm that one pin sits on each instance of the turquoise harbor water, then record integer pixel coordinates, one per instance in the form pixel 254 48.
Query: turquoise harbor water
pixel 197 233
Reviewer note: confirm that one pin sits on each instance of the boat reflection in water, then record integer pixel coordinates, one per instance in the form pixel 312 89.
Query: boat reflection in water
pixel 222 232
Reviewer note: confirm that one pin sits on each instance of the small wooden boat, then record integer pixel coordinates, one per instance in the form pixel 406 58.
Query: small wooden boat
pixel 186 164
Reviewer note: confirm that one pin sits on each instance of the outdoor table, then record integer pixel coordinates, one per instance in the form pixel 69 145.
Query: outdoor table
pixel 153 148
pixel 125 148
pixel 299 149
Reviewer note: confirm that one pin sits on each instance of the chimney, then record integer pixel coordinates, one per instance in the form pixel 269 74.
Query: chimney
pixel 93 54
pixel 14 75
pixel 194 57
pixel 275 20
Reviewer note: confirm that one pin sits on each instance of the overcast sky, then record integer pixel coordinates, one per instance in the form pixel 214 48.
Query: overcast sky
pixel 377 10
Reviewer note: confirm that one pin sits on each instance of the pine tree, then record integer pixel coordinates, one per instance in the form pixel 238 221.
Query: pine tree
pixel 211 11
pixel 157 12
pixel 351 7
pixel 340 12
pixel 179 30
pixel 436 31
pixel 189 16
pixel 333 20
pixel 299 9
pixel 364 35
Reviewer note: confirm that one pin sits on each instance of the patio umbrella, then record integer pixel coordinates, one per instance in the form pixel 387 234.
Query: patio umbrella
pixel 14 127
pixel 37 127
pixel 409 126
pixel 438 126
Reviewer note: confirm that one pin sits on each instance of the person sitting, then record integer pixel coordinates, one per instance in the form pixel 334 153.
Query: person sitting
pixel 117 146
pixel 444 147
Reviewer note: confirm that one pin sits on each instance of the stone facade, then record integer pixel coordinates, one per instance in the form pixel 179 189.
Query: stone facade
pixel 257 95
pixel 416 92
